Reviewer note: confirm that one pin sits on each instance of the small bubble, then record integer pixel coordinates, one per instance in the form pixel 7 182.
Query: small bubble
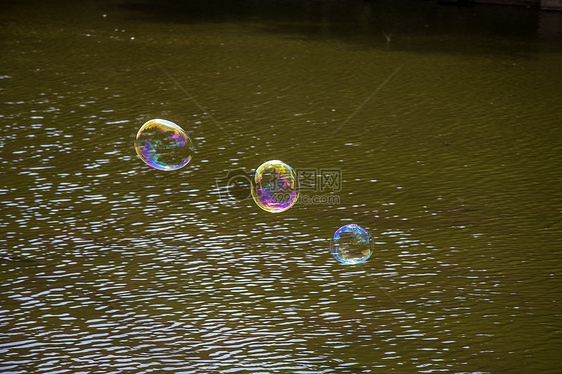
pixel 352 244
pixel 275 187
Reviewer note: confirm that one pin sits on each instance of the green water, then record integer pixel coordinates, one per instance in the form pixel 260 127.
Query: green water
pixel 449 147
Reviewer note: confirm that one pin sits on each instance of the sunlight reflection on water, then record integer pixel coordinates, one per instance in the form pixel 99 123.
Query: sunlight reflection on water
pixel 107 265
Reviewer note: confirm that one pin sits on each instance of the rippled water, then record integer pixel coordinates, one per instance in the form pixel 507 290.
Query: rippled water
pixel 109 266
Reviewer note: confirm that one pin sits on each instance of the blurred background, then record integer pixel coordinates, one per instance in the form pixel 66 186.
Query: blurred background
pixel 453 166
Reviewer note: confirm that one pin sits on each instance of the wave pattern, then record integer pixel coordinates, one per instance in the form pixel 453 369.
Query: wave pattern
pixel 108 266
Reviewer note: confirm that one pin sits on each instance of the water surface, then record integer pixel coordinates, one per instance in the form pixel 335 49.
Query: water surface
pixel 453 166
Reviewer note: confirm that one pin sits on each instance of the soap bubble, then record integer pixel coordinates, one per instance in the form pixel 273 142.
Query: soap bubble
pixel 352 244
pixel 163 145
pixel 275 188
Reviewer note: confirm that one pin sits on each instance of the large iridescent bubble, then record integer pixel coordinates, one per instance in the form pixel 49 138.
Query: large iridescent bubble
pixel 275 188
pixel 164 145
pixel 352 244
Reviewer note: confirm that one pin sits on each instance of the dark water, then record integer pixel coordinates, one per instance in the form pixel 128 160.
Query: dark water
pixel 109 266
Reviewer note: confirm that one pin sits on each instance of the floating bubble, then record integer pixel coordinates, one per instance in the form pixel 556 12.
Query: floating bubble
pixel 275 188
pixel 352 244
pixel 163 145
